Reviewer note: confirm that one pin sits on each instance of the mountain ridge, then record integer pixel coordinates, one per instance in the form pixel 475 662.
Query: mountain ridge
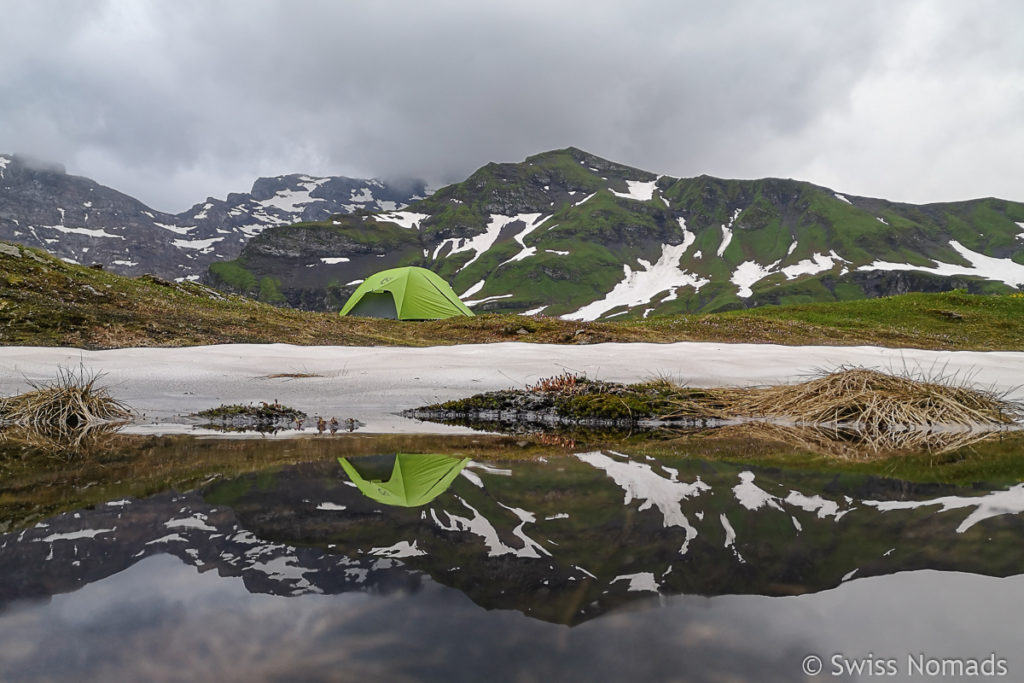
pixel 564 233
pixel 570 234
pixel 85 222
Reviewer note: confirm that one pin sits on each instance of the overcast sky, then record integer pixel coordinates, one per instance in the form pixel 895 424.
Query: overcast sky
pixel 173 101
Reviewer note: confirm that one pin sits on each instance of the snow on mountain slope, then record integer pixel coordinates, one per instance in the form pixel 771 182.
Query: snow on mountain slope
pixel 641 286
pixel 71 216
pixel 1002 269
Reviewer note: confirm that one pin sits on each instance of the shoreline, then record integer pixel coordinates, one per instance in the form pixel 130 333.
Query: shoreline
pixel 374 384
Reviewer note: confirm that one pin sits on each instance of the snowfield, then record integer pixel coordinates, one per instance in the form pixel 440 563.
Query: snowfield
pixel 372 384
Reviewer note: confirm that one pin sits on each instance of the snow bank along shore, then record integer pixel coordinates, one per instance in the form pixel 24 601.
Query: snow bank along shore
pixel 372 384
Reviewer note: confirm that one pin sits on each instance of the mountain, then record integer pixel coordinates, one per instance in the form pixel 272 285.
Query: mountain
pixel 84 222
pixel 566 233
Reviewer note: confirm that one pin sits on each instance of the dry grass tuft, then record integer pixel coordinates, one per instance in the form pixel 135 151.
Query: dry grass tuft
pixel 871 401
pixel 66 410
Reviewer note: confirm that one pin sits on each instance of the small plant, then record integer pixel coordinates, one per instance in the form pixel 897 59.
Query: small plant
pixel 566 383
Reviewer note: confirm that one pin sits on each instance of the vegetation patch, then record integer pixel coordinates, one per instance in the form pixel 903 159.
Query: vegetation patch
pixel 844 412
pixel 262 417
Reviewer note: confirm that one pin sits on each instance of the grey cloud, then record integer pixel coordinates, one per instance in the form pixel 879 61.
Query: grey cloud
pixel 174 101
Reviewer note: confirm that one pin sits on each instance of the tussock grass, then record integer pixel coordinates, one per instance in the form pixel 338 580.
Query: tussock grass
pixel 869 400
pixel 66 413
pixel 851 412
pixel 71 401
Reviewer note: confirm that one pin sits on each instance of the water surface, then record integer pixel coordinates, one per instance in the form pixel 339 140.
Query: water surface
pixel 577 564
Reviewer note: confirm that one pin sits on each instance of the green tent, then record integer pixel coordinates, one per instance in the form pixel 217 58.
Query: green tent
pixel 415 480
pixel 408 293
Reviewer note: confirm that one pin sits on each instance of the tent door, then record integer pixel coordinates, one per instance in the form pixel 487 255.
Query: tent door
pixel 376 305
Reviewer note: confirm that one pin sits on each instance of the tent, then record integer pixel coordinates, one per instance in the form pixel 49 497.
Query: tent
pixel 408 293
pixel 416 479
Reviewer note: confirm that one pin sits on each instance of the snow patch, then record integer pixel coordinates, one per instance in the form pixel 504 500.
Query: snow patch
pixel 330 506
pixel 332 260
pixel 824 508
pixel 638 287
pixel 169 538
pixel 181 230
pixel 730 537
pixel 748 273
pixel 842 198
pixel 487 298
pixel 479 525
pixel 638 190
pixel 1009 502
pixel 400 549
pixel 361 196
pixel 1001 269
pixel 405 219
pixel 751 496
pixel 284 200
pixel 641 581
pixel 639 481
pixel 121 262
pixel 534 311
pixel 533 221
pixel 556 251
pixel 75 535
pixel 188 523
pixel 473 290
pixel 727 233
pixel 99 232
pixel 203 245
pixel 482 242
pixel 816 264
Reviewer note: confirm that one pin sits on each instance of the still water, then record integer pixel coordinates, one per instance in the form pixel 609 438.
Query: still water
pixel 581 564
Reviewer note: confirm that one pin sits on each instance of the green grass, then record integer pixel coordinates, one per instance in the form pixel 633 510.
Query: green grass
pixel 47 302
pixel 234 276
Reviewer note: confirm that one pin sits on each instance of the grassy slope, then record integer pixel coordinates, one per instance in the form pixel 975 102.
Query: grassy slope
pixel 774 221
pixel 46 302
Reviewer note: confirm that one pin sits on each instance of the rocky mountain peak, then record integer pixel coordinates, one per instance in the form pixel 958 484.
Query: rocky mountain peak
pixel 84 222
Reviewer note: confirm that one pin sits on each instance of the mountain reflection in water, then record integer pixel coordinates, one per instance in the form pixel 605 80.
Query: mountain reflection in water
pixel 572 540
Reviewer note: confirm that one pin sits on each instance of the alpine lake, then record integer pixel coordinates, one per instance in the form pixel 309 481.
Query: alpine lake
pixel 690 555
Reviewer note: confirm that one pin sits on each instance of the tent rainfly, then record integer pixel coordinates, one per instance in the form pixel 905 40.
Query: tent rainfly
pixel 416 479
pixel 408 293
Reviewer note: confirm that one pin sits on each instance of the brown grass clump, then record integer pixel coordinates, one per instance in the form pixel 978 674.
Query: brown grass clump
pixel 869 400
pixel 65 410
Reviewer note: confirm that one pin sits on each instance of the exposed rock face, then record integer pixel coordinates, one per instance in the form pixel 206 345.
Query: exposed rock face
pixel 81 221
